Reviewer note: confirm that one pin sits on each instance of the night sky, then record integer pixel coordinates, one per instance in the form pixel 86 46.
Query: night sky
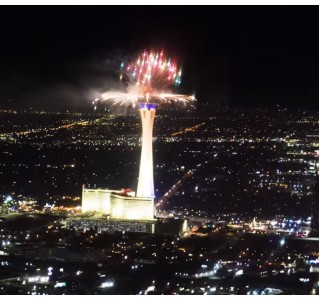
pixel 243 56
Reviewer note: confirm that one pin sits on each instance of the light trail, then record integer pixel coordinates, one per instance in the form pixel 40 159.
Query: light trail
pixel 39 130
pixel 172 191
pixel 188 129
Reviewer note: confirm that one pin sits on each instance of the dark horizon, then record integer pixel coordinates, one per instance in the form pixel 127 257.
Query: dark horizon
pixel 244 56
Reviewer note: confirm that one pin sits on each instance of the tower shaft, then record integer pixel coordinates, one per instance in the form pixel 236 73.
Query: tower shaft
pixel 145 186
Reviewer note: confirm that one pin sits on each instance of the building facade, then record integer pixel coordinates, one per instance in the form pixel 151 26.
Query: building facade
pixel 115 204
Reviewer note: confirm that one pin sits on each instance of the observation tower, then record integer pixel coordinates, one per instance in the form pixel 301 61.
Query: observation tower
pixel 145 186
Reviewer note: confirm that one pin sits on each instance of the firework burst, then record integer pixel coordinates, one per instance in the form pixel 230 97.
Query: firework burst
pixel 150 77
pixel 153 70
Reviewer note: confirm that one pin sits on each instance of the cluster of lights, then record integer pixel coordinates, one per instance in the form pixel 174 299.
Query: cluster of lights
pixel 38 279
pixel 107 284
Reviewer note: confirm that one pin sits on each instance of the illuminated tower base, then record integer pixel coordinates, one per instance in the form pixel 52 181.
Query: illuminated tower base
pixel 145 187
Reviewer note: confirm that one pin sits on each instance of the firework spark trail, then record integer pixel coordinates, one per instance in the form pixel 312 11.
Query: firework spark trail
pixel 150 77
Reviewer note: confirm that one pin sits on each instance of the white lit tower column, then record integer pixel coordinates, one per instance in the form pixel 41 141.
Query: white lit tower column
pixel 145 186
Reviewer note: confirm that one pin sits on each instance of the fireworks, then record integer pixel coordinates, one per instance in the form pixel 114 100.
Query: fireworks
pixel 153 70
pixel 150 77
